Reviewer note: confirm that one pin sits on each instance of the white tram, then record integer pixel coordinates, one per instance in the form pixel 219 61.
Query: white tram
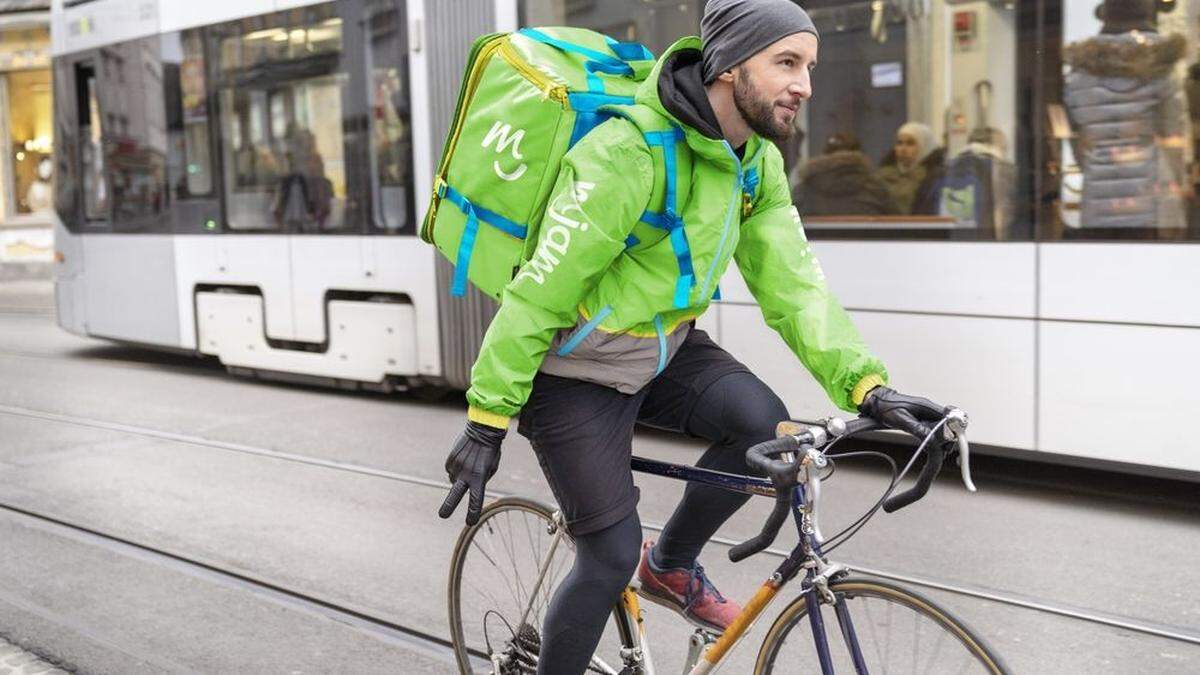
pixel 181 128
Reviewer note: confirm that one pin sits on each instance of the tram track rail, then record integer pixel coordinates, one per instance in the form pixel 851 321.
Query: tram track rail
pixel 388 630
pixel 1169 632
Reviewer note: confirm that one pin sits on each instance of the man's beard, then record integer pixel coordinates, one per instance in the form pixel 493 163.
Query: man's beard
pixel 758 113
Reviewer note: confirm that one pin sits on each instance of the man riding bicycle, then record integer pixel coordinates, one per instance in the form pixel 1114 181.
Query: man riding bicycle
pixel 604 339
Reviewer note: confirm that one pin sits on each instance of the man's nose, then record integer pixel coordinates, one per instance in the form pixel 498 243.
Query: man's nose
pixel 801 87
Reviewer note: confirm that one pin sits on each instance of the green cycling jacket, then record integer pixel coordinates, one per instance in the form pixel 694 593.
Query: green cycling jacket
pixel 605 297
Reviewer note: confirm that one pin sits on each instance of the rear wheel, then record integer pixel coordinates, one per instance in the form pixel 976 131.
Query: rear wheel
pixel 895 630
pixel 494 582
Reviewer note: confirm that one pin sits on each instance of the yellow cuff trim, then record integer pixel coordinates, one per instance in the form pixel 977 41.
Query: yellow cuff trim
pixel 484 417
pixel 864 386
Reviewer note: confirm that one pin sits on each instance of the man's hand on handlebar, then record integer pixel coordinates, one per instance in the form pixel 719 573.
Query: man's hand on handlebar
pixel 911 414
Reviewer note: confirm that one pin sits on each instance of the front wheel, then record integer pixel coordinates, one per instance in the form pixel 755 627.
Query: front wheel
pixel 891 629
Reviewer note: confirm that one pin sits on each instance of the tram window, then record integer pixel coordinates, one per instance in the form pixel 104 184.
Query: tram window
pixel 1123 123
pixel 91 145
pixel 884 67
pixel 189 164
pixel 391 126
pixel 280 93
pixel 66 142
pixel 654 23
pixel 136 151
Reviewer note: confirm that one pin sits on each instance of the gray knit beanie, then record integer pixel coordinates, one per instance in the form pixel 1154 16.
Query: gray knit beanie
pixel 734 30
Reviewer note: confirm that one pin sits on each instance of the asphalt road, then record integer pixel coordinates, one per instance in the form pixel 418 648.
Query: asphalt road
pixel 75 414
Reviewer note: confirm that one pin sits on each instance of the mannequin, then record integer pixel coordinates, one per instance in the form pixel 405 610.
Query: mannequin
pixel 40 196
pixel 1122 80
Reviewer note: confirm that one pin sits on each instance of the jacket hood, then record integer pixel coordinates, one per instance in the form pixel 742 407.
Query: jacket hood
pixel 681 89
pixel 837 173
pixel 713 149
pixel 1141 56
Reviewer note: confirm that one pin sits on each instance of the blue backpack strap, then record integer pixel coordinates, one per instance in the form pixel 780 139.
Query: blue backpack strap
pixel 670 219
pixel 587 111
pixel 578 336
pixel 591 54
pixel 596 61
pixel 662 344
pixel 466 245
pixel 630 51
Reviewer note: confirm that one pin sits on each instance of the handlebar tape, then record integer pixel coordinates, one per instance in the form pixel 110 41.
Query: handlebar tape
pixel 933 464
pixel 783 504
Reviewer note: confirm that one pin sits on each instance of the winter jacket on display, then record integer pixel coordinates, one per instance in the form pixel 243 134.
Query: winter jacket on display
pixel 1129 116
pixel 601 298
pixel 915 191
pixel 842 184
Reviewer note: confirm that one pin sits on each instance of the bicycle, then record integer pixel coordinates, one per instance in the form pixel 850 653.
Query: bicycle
pixel 523 537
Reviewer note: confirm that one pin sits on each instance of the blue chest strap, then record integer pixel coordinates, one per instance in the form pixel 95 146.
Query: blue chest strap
pixel 669 219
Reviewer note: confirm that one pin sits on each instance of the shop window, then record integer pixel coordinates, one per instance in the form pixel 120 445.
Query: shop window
pixel 31 135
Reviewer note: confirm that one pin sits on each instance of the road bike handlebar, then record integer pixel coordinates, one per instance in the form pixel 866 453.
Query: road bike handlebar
pixel 935 455
pixel 783 475
pixel 795 451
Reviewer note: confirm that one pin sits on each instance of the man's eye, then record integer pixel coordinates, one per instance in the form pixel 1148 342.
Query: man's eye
pixel 788 63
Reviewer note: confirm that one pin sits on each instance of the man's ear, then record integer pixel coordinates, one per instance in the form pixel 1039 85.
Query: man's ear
pixel 726 76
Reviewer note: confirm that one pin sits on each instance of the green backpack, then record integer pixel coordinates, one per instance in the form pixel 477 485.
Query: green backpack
pixel 527 97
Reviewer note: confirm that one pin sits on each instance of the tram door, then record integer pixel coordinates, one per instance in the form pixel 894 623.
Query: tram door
pixel 279 96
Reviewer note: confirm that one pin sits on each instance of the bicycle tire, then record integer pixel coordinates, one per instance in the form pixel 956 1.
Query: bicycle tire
pixel 857 591
pixel 531 511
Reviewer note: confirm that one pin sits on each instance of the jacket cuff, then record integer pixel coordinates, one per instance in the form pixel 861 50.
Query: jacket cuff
pixel 864 386
pixel 489 418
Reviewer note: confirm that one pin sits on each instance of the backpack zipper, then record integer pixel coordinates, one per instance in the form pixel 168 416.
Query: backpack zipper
pixel 549 87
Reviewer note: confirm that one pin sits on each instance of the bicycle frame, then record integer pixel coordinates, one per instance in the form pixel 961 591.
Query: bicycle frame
pixel 805 556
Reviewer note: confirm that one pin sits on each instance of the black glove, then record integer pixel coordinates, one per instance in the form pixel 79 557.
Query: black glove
pixel 911 414
pixel 472 461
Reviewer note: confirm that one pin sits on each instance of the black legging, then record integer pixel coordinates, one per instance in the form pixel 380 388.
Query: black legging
pixel 604 564
pixel 735 412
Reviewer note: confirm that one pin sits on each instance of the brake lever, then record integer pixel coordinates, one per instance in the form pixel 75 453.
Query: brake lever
pixel 956 430
pixel 964 462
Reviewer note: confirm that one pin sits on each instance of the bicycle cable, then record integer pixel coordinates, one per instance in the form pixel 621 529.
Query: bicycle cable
pixel 852 526
pixel 853 529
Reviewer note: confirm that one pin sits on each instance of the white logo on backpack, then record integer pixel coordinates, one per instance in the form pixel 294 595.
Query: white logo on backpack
pixel 558 237
pixel 503 132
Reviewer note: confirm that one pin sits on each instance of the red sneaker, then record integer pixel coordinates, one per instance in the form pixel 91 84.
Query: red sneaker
pixel 687 591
